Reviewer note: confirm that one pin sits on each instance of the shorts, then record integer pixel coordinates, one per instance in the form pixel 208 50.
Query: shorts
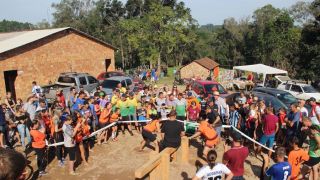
pixel 124 118
pixel 72 153
pixel 2 129
pixel 267 138
pixel 312 161
pixel 102 125
pixel 148 136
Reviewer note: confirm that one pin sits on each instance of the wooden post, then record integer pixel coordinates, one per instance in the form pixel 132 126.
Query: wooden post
pixel 164 166
pixel 183 152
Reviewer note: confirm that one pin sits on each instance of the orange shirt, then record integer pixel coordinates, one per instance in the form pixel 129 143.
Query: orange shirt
pixel 189 101
pixel 104 117
pixel 206 129
pixel 295 159
pixel 114 117
pixel 38 139
pixel 152 126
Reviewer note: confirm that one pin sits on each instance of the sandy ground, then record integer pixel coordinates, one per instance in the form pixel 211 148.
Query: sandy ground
pixel 119 160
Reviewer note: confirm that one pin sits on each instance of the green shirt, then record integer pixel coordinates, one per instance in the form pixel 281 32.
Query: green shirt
pixel 313 149
pixel 181 107
pixel 123 106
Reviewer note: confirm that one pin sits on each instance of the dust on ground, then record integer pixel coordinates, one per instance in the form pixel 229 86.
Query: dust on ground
pixel 119 160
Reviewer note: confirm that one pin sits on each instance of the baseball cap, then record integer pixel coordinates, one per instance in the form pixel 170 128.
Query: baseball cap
pixel 189 93
pixel 216 93
pixel 131 93
pixel 312 99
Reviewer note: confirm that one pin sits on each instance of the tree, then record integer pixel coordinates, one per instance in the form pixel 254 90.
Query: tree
pixel 8 26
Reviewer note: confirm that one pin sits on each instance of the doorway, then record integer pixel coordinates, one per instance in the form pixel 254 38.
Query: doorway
pixel 9 80
pixel 107 63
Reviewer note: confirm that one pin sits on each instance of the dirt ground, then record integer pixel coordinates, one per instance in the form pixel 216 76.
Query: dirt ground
pixel 119 160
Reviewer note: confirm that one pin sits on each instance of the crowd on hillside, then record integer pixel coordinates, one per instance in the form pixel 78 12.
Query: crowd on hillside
pixel 37 123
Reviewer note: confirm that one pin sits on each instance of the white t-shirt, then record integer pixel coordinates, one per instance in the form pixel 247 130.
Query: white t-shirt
pixel 313 115
pixel 205 173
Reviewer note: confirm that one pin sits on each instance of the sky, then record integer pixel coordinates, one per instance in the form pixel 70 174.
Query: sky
pixel 204 11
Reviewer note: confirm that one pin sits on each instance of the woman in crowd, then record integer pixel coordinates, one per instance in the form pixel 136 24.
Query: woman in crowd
pixel 21 119
pixel 39 146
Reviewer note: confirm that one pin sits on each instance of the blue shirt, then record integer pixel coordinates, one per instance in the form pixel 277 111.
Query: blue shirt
pixel 76 104
pixel 279 171
pixel 295 118
pixel 2 117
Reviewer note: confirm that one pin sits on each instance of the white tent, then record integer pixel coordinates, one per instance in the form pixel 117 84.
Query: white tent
pixel 261 69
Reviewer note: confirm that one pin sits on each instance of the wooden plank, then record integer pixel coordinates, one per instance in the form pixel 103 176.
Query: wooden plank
pixel 184 150
pixel 148 167
pixel 164 165
pixel 155 174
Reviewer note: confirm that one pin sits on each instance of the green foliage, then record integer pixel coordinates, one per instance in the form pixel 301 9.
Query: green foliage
pixel 9 26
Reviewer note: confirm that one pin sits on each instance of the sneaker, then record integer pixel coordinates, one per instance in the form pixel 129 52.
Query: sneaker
pixel 61 163
pixel 43 173
pixel 73 173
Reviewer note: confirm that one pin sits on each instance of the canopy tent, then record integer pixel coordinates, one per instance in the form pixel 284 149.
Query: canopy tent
pixel 261 69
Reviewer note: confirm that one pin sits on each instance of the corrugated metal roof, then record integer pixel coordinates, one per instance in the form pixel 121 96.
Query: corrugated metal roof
pixel 12 40
pixel 207 63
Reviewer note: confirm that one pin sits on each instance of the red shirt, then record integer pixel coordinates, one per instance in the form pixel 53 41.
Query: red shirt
pixel 193 113
pixel 235 161
pixel 270 124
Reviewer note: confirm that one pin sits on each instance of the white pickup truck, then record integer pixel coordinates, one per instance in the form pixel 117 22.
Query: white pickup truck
pixel 297 89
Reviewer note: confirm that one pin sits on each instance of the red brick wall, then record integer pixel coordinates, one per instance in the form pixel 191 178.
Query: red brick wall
pixel 43 61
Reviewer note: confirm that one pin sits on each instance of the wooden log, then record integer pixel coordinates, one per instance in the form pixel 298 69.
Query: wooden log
pixel 164 165
pixel 148 167
pixel 184 150
pixel 155 174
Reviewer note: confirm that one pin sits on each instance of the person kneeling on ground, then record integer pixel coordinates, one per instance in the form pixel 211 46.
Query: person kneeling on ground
pixel 211 136
pixel 148 133
pixel 213 170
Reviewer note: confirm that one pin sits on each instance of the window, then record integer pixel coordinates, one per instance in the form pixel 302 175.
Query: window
pixel 287 86
pixel 123 84
pixel 111 84
pixel 82 80
pixel 296 88
pixel 92 80
pixel 129 82
pixel 65 79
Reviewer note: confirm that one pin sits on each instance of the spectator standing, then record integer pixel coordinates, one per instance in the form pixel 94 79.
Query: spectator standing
pixel 235 156
pixel 315 111
pixel 36 89
pixel 39 146
pixel 2 127
pixel 30 108
pixel 181 105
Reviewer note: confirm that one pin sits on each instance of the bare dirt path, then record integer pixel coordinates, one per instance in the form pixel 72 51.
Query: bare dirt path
pixel 119 160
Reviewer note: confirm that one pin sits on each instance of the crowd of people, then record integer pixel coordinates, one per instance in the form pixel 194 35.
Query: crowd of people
pixel 157 114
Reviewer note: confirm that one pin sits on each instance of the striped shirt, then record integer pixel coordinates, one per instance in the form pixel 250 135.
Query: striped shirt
pixel 234 118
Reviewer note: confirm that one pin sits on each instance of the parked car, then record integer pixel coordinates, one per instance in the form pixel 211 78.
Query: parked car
pixel 269 100
pixel 283 96
pixel 300 90
pixel 207 87
pixel 106 75
pixel 67 80
pixel 111 83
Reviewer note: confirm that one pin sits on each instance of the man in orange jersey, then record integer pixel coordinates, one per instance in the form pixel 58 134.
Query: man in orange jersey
pixel 211 136
pixel 296 157
pixel 148 133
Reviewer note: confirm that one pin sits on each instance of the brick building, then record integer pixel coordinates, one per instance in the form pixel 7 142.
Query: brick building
pixel 41 55
pixel 200 69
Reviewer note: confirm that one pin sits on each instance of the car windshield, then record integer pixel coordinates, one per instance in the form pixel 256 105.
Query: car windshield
pixel 273 102
pixel 218 87
pixel 65 79
pixel 309 89
pixel 111 84
pixel 287 98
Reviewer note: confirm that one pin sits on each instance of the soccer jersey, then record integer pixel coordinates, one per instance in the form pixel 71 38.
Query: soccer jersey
pixel 217 172
pixel 123 106
pixel 132 104
pixel 295 160
pixel 181 107
pixel 279 171
pixel 234 118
